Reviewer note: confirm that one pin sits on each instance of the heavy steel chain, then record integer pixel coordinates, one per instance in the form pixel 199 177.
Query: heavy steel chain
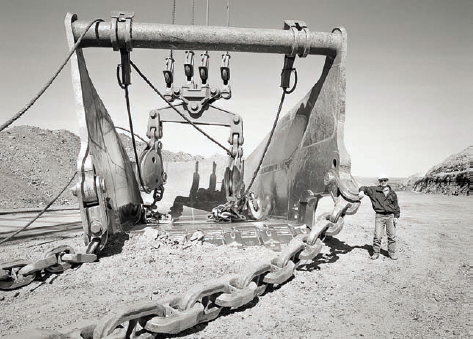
pixel 173 314
pixel 203 302
pixel 228 212
pixel 19 272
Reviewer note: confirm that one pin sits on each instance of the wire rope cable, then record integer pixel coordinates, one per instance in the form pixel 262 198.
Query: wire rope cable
pixel 193 12
pixel 136 135
pixel 40 213
pixel 130 123
pixel 171 51
pixel 46 86
pixel 276 119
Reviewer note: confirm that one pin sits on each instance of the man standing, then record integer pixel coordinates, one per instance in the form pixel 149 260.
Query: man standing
pixel 385 204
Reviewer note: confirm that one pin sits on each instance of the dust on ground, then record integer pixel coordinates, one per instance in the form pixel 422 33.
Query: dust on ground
pixel 342 294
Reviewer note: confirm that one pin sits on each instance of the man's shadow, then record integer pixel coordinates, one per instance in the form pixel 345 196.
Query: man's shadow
pixel 337 248
pixel 199 198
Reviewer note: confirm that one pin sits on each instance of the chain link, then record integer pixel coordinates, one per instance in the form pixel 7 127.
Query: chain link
pixel 204 301
pixel 228 212
pixel 18 273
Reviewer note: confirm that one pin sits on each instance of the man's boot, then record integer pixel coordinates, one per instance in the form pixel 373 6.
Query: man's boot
pixel 393 255
pixel 374 256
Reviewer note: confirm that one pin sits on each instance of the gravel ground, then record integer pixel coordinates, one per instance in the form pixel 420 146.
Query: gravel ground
pixel 341 294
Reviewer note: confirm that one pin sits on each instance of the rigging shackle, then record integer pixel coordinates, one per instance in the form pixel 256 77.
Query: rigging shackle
pixel 287 70
pixel 300 47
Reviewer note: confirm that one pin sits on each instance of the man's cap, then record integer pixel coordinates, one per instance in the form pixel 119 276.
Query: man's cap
pixel 383 176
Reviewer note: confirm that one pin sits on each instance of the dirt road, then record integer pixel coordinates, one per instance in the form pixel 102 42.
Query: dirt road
pixel 342 294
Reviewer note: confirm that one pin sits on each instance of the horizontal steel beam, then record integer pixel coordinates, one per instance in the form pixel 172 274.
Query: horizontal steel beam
pixel 212 38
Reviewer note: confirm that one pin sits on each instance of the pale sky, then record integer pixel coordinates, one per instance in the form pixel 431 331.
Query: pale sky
pixel 409 73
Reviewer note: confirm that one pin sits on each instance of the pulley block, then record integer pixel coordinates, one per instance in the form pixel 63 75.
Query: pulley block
pixel 152 170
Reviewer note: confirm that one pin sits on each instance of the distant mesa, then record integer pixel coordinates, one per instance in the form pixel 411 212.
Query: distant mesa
pixel 451 177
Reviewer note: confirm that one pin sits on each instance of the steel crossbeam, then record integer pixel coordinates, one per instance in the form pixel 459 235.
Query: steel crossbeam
pixel 212 38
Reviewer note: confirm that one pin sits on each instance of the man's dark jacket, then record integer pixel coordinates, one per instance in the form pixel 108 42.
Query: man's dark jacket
pixel 382 204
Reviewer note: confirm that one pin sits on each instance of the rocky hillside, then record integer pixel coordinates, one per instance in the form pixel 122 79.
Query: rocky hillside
pixel 452 176
pixel 35 165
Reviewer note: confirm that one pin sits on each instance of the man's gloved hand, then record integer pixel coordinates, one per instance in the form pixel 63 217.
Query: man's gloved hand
pixel 395 221
pixel 361 194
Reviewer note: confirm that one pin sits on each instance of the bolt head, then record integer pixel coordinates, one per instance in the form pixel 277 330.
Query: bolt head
pixel 194 106
pixel 96 227
pixel 236 119
pixel 177 91
pixel 153 115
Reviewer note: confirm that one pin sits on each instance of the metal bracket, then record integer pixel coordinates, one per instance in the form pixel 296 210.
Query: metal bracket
pixel 91 193
pixel 120 36
pixel 301 42
pixel 120 30
pixel 197 97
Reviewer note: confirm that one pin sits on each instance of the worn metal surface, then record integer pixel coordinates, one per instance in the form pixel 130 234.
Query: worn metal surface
pixel 114 205
pixel 212 38
pixel 307 145
pixel 271 233
pixel 306 159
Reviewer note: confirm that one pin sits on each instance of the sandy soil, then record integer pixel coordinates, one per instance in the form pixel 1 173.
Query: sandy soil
pixel 342 294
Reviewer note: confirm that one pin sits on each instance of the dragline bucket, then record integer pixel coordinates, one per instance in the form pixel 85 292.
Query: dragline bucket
pixel 306 158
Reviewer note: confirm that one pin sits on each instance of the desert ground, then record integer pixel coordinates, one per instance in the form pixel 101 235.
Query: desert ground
pixel 341 294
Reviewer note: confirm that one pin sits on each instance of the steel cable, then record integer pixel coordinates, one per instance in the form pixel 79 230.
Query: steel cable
pixel 130 122
pixel 171 51
pixel 136 135
pixel 267 143
pixel 46 86
pixel 40 213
